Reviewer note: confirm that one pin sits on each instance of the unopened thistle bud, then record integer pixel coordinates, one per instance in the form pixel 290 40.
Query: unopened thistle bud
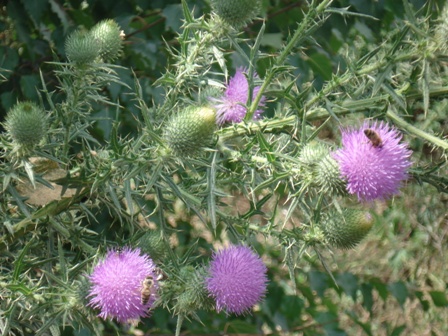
pixel 236 13
pixel 190 130
pixel 328 177
pixel 82 291
pixel 81 47
pixel 312 153
pixel 152 243
pixel 26 123
pixel 345 230
pixel 109 39
pixel 194 295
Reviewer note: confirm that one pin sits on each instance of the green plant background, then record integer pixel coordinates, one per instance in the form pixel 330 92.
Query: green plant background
pixel 393 283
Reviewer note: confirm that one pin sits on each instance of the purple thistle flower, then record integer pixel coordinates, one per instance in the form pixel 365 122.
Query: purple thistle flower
pixel 231 107
pixel 374 164
pixel 117 284
pixel 237 279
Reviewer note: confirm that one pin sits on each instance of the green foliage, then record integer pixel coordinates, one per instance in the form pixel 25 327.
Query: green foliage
pixel 102 176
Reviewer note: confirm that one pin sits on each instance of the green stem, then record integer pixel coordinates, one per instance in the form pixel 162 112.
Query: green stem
pixel 346 107
pixel 306 27
pixel 415 131
pixel 267 126
pixel 383 62
pixel 180 320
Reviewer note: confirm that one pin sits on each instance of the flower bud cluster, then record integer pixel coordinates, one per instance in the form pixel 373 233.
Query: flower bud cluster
pixel 102 43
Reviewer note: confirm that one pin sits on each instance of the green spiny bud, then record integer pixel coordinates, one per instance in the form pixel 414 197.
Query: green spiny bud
pixel 345 230
pixel 26 123
pixel 236 13
pixel 312 153
pixel 82 291
pixel 328 177
pixel 81 47
pixel 152 243
pixel 190 130
pixel 194 295
pixel 109 38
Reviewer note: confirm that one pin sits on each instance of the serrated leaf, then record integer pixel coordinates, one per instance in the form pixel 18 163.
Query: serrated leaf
pixel 20 287
pixel 62 15
pixel 128 197
pixel 211 184
pixel 54 320
pixel 18 200
pixel 19 264
pixel 219 56
pixel 380 78
pixel 265 147
pixel 61 256
pixel 29 171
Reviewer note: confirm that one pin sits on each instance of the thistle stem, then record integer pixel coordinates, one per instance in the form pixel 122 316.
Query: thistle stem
pixel 415 131
pixel 180 320
pixel 308 25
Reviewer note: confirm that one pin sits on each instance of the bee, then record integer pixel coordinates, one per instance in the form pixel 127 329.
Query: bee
pixel 374 138
pixel 146 290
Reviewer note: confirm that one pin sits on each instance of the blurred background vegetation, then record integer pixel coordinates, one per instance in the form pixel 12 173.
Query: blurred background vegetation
pixel 393 283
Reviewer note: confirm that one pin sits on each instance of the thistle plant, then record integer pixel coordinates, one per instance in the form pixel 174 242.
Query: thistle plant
pixel 248 156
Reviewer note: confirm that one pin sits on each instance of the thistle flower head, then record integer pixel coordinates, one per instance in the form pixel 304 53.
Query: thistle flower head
pixel 231 107
pixel 237 279
pixel 120 288
pixel 372 160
